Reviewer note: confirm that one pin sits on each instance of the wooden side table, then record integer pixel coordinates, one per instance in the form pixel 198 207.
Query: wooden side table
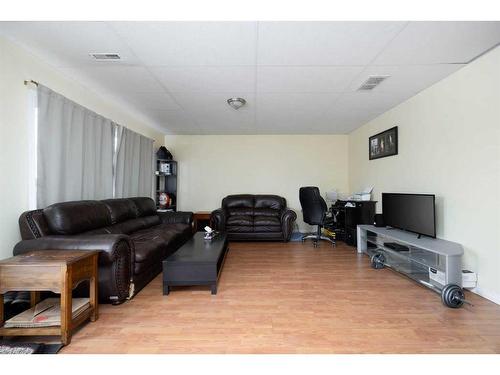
pixel 55 271
pixel 200 220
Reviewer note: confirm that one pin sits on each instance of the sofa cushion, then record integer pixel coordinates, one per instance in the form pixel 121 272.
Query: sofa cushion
pixel 180 234
pixel 177 228
pixel 145 206
pixel 240 220
pixel 76 217
pixel 103 230
pixel 145 268
pixel 239 229
pixel 266 212
pixel 270 201
pixel 129 226
pixel 121 209
pixel 149 246
pixel 239 200
pixel 266 220
pixel 150 221
pixel 266 229
pixel 240 212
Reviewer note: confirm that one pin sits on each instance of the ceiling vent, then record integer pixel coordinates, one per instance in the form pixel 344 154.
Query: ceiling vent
pixel 372 82
pixel 105 56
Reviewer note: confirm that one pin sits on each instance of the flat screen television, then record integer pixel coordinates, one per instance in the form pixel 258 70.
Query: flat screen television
pixel 411 212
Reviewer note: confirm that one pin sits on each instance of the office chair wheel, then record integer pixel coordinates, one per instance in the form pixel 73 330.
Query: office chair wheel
pixel 315 243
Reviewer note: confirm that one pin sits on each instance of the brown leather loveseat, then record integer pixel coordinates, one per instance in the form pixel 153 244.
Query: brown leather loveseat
pixel 254 217
pixel 132 236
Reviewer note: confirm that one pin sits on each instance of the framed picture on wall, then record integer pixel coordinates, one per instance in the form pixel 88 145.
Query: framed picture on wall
pixel 383 144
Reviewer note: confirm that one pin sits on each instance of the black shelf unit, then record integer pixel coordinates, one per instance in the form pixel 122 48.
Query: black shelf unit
pixel 348 218
pixel 166 182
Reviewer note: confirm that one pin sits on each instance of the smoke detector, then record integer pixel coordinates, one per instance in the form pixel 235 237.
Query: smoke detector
pixel 372 82
pixel 105 56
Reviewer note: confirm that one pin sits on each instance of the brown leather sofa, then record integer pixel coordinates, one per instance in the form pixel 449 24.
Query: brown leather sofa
pixel 132 236
pixel 254 217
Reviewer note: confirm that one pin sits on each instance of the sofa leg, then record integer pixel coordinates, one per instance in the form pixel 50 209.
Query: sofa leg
pixel 131 290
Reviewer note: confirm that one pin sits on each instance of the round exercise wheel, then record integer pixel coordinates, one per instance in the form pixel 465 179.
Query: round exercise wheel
pixel 378 260
pixel 453 296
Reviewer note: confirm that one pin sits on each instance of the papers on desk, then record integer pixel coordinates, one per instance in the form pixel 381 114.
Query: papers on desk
pixel 364 195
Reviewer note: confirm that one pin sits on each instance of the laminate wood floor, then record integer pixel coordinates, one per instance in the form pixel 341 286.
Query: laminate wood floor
pixel 293 298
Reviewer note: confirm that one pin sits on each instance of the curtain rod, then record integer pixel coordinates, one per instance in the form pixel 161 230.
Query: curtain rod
pixel 27 82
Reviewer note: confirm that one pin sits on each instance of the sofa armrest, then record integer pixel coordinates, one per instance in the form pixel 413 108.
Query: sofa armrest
pixel 109 245
pixel 180 217
pixel 288 217
pixel 116 259
pixel 218 220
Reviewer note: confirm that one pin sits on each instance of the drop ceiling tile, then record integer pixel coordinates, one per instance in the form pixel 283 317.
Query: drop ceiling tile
pixel 292 112
pixel 305 79
pixel 440 42
pixel 323 43
pixel 67 44
pixel 190 43
pixel 304 101
pixel 211 111
pixel 174 121
pixel 120 79
pixel 406 80
pixel 360 106
pixel 206 79
pixel 213 101
pixel 152 100
pixel 225 128
pixel 344 123
pixel 341 127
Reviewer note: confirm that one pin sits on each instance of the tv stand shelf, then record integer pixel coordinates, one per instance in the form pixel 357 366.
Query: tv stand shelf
pixel 432 262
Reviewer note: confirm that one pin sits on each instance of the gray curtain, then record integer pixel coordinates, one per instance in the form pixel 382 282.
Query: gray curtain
pixel 133 174
pixel 75 151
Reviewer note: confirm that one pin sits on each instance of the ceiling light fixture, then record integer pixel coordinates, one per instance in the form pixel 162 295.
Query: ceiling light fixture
pixel 236 103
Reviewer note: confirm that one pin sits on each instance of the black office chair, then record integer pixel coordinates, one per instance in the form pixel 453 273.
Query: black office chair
pixel 314 212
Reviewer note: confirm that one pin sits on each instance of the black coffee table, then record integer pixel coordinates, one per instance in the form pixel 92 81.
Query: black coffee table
pixel 197 262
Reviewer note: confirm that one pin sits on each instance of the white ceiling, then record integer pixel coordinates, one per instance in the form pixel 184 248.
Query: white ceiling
pixel 297 77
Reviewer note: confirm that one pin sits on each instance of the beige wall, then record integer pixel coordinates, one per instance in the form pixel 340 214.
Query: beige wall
pixel 16 65
pixel 211 167
pixel 449 145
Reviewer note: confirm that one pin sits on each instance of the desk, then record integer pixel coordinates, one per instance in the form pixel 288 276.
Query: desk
pixel 55 271
pixel 362 212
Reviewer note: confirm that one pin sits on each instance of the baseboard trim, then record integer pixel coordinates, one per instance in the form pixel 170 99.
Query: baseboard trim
pixel 491 296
